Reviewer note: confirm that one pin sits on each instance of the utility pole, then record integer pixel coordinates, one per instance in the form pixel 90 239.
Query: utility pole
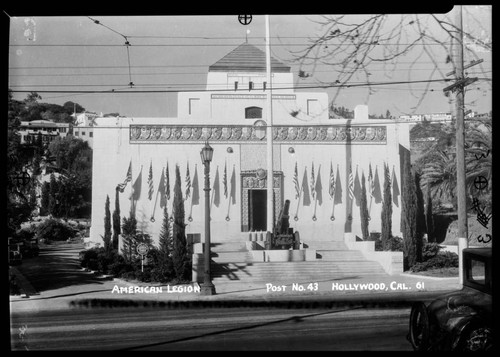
pixel 269 135
pixel 459 88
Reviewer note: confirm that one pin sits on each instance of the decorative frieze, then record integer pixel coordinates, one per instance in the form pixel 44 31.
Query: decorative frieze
pixel 254 96
pixel 257 133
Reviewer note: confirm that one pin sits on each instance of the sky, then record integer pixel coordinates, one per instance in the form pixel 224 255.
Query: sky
pixel 65 55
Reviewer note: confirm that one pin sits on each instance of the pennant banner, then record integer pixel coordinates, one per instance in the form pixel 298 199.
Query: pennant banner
pixel 395 188
pixel 150 182
pixel 188 182
pixel 128 178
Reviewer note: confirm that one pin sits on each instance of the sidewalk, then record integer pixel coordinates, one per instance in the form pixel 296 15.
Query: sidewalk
pixel 379 289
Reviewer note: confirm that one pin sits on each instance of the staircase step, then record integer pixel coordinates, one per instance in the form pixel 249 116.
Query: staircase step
pixel 339 255
pixel 325 245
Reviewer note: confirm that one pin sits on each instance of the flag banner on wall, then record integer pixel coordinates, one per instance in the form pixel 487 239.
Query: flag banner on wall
pixel 395 188
pixel 136 187
pixel 196 187
pixel 357 188
pixel 296 182
pixel 188 182
pixel 331 182
pixel 150 181
pixel 216 189
pixel 128 178
pixel 161 190
pixel 377 191
pixel 350 184
pixel 338 188
pixel 224 180
pixel 312 181
pixel 305 189
pixel 167 184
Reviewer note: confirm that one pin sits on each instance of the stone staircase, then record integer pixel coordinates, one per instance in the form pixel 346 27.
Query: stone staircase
pixel 232 262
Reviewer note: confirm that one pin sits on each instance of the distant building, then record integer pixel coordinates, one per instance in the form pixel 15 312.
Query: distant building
pixel 433 117
pixel 47 129
pixel 83 127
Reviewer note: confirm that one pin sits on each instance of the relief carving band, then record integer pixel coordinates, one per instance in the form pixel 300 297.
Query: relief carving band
pixel 257 133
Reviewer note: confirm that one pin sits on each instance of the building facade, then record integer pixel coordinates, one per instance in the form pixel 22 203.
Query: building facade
pixel 83 128
pixel 46 129
pixel 318 163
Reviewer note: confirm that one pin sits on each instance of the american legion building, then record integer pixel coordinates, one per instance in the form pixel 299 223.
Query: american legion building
pixel 318 164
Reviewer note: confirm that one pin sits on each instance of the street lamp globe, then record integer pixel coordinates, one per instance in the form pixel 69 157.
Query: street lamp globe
pixel 206 153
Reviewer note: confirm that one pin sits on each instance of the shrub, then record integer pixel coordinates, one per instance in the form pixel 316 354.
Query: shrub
pixel 25 234
pixel 393 244
pixel 55 229
pixel 430 250
pixel 440 260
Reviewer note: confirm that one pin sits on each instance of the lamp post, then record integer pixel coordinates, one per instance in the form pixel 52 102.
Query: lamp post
pixel 207 288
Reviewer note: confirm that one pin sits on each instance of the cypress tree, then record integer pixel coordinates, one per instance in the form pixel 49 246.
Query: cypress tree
pixel 386 229
pixel 364 209
pixel 408 215
pixel 420 219
pixel 107 225
pixel 166 248
pixel 52 195
pixel 179 255
pixel 429 218
pixel 116 219
pixel 44 203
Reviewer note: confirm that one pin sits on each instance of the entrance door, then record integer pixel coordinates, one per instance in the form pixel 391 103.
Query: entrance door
pixel 257 210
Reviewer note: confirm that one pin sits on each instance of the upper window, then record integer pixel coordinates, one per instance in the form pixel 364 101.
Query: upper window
pixel 253 113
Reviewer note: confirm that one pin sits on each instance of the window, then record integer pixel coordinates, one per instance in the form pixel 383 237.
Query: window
pixel 76 133
pixel 83 133
pixel 91 134
pixel 250 85
pixel 235 85
pixel 253 113
pixel 312 107
pixel 264 84
pixel 193 104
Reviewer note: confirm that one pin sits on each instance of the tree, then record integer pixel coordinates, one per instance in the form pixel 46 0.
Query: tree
pixel 363 207
pixel 116 219
pixel 420 217
pixel 129 229
pixel 180 252
pixel 53 189
pixel 410 217
pixel 353 45
pixel 386 229
pixel 107 225
pixel 45 199
pixel 165 264
pixel 429 218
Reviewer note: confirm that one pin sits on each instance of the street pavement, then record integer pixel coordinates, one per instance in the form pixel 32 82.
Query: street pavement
pixel 55 280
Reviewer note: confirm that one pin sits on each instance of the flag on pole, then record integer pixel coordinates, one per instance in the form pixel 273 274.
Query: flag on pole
pixel 350 184
pixel 233 187
pixel 167 184
pixel 331 186
pixel 136 187
pixel 216 193
pixel 296 182
pixel 318 188
pixel 312 181
pixel 395 188
pixel 305 189
pixel 338 188
pixel 128 178
pixel 150 181
pixel 188 182
pixel 377 192
pixel 161 189
pixel 196 188
pixel 224 180
pixel 357 188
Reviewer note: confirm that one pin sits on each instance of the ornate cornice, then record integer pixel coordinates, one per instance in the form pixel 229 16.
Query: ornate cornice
pixel 257 133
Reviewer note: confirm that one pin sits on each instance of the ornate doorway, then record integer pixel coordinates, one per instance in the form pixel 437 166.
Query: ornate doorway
pixel 254 198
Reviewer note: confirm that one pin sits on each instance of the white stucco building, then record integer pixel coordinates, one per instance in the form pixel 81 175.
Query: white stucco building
pixel 231 115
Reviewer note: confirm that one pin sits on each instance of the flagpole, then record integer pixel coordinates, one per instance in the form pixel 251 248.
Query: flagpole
pixel 269 134
pixel 154 207
pixel 296 218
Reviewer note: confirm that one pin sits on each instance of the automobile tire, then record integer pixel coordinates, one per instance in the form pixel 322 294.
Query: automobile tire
pixel 476 338
pixel 419 327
